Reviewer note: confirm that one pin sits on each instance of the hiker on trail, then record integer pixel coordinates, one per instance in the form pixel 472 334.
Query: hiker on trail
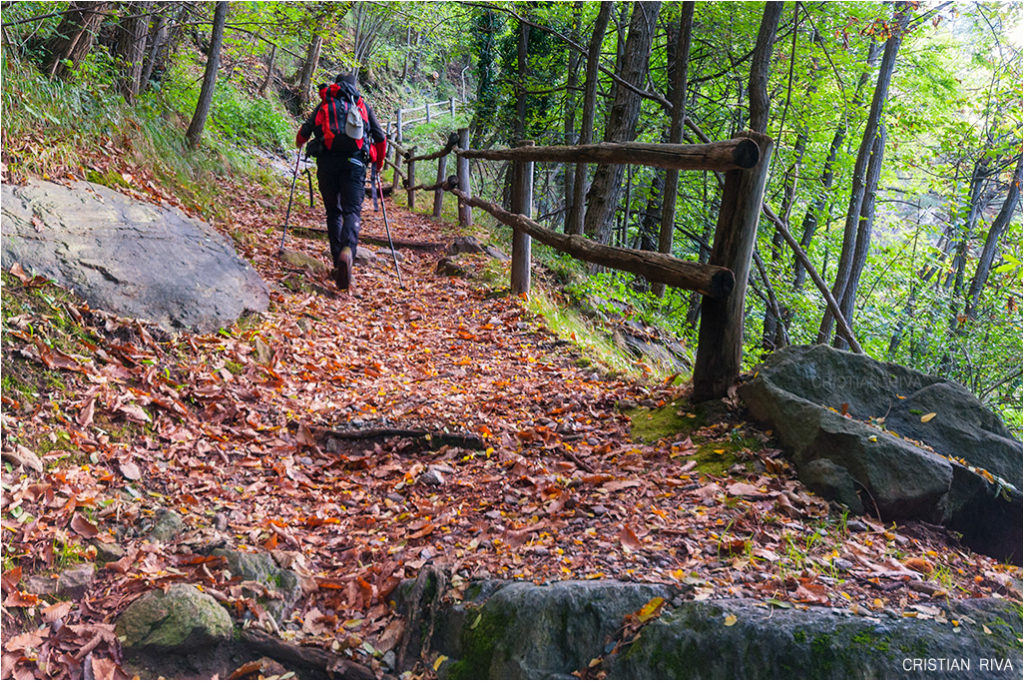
pixel 346 137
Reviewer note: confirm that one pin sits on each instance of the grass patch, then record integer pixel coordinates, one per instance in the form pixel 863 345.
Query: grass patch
pixel 595 346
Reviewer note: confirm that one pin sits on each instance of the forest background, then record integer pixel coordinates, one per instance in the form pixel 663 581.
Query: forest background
pixel 897 129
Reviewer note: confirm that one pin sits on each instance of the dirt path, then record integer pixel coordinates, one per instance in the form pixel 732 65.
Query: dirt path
pixel 229 430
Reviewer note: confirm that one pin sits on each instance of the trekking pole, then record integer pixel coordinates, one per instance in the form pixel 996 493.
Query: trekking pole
pixel 288 215
pixel 373 183
pixel 309 179
pixel 394 256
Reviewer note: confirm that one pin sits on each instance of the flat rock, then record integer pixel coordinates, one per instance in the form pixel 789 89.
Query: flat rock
pixel 129 257
pixel 854 428
pixel 283 585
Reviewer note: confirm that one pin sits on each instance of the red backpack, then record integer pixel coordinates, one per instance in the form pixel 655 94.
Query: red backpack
pixel 334 119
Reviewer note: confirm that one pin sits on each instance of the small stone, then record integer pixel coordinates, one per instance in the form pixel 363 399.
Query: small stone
pixel 841 564
pixel 856 526
pixel 220 522
pixel 388 659
pixel 432 477
pixel 40 585
pixel 395 497
pixel 493 515
pixel 108 552
pixel 541 550
pixel 598 509
pixel 168 526
pixel 74 582
pixel 426 554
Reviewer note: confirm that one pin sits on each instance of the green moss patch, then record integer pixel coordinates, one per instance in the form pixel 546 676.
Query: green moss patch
pixel 674 420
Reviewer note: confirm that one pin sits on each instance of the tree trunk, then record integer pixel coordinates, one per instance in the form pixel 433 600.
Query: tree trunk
pixel 864 226
pixel 195 128
pixel 74 37
pixel 677 95
pixel 270 71
pixel 962 237
pixel 131 48
pixel 995 233
pixel 871 129
pixel 569 119
pixel 157 38
pixel 522 64
pixel 759 64
pixel 649 221
pixel 603 196
pixel 308 70
pixel 576 208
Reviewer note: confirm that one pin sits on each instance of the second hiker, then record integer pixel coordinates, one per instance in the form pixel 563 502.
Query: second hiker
pixel 346 137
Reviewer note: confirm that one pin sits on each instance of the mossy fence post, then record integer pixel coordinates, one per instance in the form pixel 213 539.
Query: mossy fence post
pixel 465 212
pixel 522 203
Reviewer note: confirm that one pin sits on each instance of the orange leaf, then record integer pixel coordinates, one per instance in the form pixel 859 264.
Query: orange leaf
pixel 20 599
pixel 919 565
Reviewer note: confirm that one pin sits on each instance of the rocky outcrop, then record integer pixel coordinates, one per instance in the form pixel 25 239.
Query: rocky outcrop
pixel 522 630
pixel 282 586
pixel 128 257
pixel 887 439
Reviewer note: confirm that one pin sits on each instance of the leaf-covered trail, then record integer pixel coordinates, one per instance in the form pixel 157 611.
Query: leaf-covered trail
pixel 229 430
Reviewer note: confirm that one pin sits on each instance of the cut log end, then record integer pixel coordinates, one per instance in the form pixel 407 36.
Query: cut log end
pixel 722 284
pixel 746 153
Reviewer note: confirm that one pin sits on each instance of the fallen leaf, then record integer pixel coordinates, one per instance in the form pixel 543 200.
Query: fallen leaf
pixel 83 527
pixel 651 609
pixel 439 661
pixel 629 539
pixel 58 610
pixel 130 470
pixel 730 620
pixel 928 417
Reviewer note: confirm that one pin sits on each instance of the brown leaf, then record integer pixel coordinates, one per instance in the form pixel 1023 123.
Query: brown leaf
pixel 616 485
pixel 18 271
pixel 629 539
pixel 58 610
pixel 919 565
pixel 742 489
pixel 25 641
pixel 20 599
pixel 86 414
pixel 83 527
pixel 105 668
pixel 134 412
pixel 130 470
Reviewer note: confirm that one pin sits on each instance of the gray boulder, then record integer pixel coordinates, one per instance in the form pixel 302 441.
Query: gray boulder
pixel 129 257
pixel 182 618
pixel 881 456
pixel 283 587
pixel 518 630
pixel 697 641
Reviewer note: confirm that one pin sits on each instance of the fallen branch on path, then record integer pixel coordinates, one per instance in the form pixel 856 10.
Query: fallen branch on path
pixel 306 656
pixel 433 438
pixel 408 244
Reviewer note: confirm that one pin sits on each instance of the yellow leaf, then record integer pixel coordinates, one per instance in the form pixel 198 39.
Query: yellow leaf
pixel 928 417
pixel 650 611
pixel 986 629
pixel 439 661
pixel 594 662
pixel 730 620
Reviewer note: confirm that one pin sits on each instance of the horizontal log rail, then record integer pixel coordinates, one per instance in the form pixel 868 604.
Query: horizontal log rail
pixel 735 154
pixel 453 141
pixel 709 280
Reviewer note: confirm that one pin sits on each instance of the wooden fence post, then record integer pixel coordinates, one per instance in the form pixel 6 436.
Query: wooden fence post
pixel 522 203
pixel 410 177
pixel 465 212
pixel 427 106
pixel 398 164
pixel 398 125
pixel 451 106
pixel 442 175
pixel 720 343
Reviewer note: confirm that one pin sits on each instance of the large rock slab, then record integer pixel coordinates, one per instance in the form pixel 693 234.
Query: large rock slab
pixel 128 257
pixel 520 630
pixel 699 640
pixel 517 630
pixel 854 428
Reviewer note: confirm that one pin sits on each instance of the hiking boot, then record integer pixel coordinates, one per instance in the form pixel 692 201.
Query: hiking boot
pixel 343 269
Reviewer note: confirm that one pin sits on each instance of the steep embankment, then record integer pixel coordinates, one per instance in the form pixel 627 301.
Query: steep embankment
pixel 278 436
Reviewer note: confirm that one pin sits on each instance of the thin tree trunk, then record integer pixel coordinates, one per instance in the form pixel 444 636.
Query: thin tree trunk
pixel 195 128
pixel 576 208
pixel 131 48
pixel 759 66
pixel 810 222
pixel 871 130
pixel 308 70
pixel 74 37
pixel 677 95
pixel 962 237
pixel 603 196
pixel 863 242
pixel 270 71
pixel 522 64
pixel 995 234
pixel 569 119
pixel 157 37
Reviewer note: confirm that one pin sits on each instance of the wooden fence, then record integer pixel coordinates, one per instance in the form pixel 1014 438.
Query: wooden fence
pixel 431 111
pixel 722 281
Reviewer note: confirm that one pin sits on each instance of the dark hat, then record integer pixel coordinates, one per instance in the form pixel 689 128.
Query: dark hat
pixel 349 78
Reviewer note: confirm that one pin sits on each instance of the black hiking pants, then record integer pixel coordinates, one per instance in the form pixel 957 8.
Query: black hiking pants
pixel 342 180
